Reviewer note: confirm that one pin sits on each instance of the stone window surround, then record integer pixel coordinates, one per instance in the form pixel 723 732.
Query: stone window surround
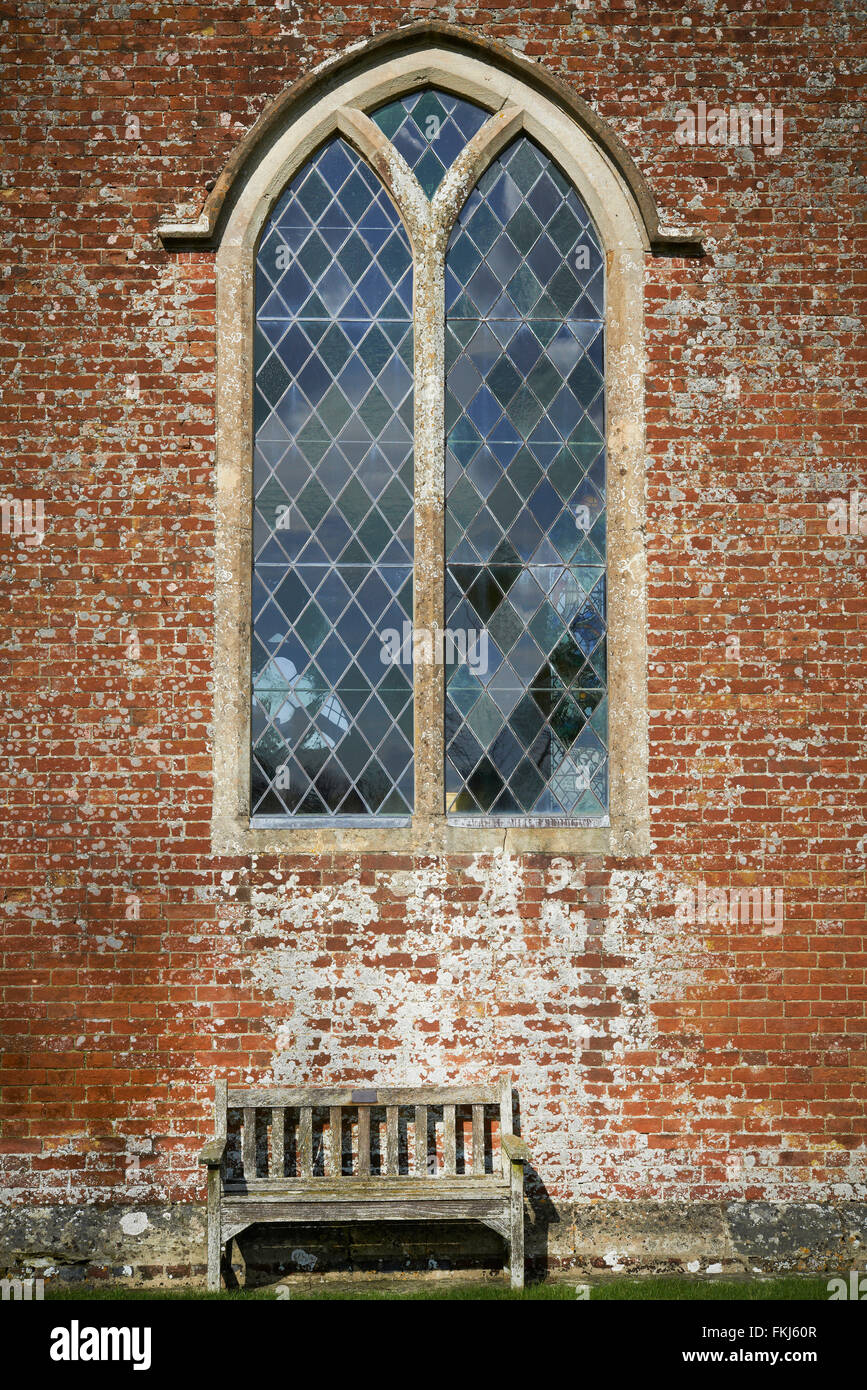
pixel 628 229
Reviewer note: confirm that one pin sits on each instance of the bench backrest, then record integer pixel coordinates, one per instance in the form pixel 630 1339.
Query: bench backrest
pixel 359 1102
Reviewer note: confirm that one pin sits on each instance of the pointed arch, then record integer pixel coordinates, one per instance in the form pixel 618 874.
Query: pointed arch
pixel 339 100
pixel 420 54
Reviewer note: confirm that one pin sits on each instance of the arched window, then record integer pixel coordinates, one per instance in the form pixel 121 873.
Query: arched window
pixel 430 476
pixel 332 722
pixel 522 649
pixel 525 496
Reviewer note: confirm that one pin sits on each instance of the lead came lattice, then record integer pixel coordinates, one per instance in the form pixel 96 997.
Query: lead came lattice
pixel 526 727
pixel 430 128
pixel 525 481
pixel 333 483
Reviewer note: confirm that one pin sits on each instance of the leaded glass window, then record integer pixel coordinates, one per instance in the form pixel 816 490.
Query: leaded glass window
pixel 509 277
pixel 430 129
pixel 333 482
pixel 525 511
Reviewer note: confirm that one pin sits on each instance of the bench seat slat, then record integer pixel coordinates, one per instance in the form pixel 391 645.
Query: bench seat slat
pixel 487 1207
pixel 347 1188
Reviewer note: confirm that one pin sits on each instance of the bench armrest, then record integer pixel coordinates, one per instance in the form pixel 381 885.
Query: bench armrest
pixel 212 1153
pixel 515 1149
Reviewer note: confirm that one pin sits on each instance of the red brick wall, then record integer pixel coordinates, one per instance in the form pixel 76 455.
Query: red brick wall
pixel 655 1058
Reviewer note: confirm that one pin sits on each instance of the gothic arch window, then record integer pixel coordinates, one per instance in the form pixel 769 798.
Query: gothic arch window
pixel 430 554
pixel 335 653
pixel 332 714
pixel 526 732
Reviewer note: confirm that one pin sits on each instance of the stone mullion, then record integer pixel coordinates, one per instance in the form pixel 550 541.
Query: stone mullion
pixel 429 586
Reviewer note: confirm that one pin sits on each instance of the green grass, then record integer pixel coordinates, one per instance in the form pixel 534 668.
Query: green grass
pixel 793 1287
pixel 710 1289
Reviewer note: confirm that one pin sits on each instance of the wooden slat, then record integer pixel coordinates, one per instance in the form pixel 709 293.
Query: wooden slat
pixel 221 1092
pixel 278 1133
pixel 391 1162
pixel 478 1139
pixel 363 1141
pixel 516 1242
pixel 505 1099
pixel 248 1151
pixel 215 1248
pixel 392 1095
pixel 336 1139
pixel 305 1141
pixel 449 1139
pixel 386 1189
pixel 421 1140
pixel 491 1208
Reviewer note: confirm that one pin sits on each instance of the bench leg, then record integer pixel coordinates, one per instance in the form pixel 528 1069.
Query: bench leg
pixel 214 1245
pixel 516 1242
pixel 213 1266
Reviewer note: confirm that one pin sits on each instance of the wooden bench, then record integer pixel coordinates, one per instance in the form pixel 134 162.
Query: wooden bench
pixel 280 1174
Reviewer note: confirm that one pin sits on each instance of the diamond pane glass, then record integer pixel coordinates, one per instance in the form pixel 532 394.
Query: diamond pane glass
pixel 526 712
pixel 332 706
pixel 430 128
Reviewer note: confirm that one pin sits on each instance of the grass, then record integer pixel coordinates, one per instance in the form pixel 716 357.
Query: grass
pixel 650 1288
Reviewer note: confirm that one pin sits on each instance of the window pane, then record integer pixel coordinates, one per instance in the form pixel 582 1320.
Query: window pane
pixel 525 515
pixel 333 485
pixel 430 128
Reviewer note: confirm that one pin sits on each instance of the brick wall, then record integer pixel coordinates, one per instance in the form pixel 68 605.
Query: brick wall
pixel 709 1070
